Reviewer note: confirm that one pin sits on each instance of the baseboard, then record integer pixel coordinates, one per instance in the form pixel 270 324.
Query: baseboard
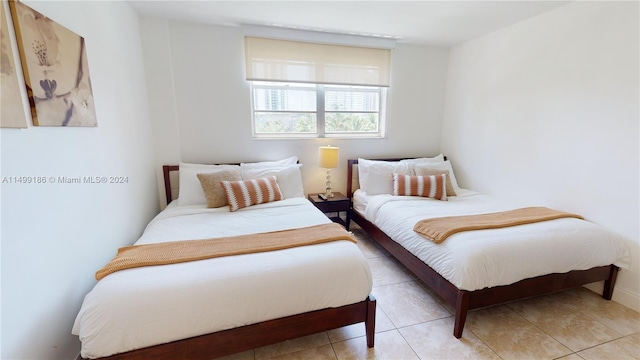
pixel 620 295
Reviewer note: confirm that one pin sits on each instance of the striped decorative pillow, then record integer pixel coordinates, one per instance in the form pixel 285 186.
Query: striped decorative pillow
pixel 241 194
pixel 432 186
pixel 427 172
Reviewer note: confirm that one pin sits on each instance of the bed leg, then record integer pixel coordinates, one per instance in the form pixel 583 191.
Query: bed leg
pixel 462 306
pixel 607 292
pixel 370 323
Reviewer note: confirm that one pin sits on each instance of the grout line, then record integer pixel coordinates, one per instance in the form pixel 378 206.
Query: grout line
pixel 543 331
pixel 565 345
pixel 408 343
pixel 606 342
pixel 334 349
pixel 398 283
pixel 484 343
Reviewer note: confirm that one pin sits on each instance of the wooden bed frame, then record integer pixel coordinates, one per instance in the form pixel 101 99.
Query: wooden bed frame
pixel 463 300
pixel 227 342
pixel 249 337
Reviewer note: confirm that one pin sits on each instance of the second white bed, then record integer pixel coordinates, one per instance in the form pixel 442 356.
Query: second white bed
pixel 474 260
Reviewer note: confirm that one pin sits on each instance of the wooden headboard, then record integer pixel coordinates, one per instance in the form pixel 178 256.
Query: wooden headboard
pixel 353 183
pixel 166 170
pixel 171 184
pixel 171 178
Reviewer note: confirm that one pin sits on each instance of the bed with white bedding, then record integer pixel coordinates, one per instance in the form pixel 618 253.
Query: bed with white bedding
pixel 479 268
pixel 213 307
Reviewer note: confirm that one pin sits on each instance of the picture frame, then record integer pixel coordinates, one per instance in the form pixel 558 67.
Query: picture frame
pixel 55 69
pixel 13 112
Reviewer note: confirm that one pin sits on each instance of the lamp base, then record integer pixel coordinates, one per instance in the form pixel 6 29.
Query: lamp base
pixel 327 192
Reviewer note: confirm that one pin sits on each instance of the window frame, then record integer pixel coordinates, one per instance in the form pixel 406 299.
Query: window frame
pixel 320 113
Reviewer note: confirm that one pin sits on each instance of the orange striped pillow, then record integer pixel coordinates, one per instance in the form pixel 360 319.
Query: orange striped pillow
pixel 241 194
pixel 432 186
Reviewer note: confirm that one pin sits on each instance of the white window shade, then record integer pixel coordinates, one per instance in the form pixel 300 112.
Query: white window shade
pixel 293 61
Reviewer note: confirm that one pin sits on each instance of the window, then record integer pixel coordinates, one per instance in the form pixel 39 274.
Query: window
pixel 301 89
pixel 311 110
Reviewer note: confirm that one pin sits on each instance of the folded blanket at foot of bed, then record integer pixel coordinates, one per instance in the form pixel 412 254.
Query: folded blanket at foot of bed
pixel 439 229
pixel 191 250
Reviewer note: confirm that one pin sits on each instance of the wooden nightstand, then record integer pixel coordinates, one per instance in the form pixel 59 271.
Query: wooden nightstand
pixel 335 204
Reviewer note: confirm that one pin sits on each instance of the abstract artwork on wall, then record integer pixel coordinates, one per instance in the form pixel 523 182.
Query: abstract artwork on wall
pixel 55 68
pixel 12 109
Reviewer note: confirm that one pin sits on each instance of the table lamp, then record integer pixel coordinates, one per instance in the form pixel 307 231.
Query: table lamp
pixel 328 159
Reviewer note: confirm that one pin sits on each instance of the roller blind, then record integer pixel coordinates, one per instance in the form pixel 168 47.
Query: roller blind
pixel 293 61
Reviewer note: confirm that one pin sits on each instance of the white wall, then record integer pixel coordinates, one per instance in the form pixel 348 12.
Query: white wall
pixel 55 236
pixel 207 117
pixel 547 111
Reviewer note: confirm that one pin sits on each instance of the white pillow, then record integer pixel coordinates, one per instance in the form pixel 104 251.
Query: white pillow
pixel 288 177
pixel 288 161
pixel 376 177
pixel 191 192
pixel 445 165
pixel 425 160
pixel 363 171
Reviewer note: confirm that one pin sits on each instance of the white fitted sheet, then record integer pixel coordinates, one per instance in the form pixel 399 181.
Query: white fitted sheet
pixel 146 306
pixel 473 260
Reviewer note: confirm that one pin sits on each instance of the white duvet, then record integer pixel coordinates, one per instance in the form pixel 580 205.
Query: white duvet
pixel 141 307
pixel 478 259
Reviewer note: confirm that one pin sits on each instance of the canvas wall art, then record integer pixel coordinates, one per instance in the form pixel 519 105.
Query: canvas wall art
pixel 12 109
pixel 56 70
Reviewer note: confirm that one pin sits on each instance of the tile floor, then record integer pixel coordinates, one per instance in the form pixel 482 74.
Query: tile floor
pixel 413 323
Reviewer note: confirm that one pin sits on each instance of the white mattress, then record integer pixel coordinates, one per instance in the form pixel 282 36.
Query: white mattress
pixel 478 259
pixel 360 201
pixel 140 307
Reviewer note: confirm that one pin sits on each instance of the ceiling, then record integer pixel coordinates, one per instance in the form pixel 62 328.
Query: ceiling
pixel 436 23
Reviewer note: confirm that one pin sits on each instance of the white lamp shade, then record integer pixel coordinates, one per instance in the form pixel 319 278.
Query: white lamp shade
pixel 328 157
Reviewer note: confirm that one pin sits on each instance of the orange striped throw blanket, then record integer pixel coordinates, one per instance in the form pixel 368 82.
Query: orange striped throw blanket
pixel 174 252
pixel 439 229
